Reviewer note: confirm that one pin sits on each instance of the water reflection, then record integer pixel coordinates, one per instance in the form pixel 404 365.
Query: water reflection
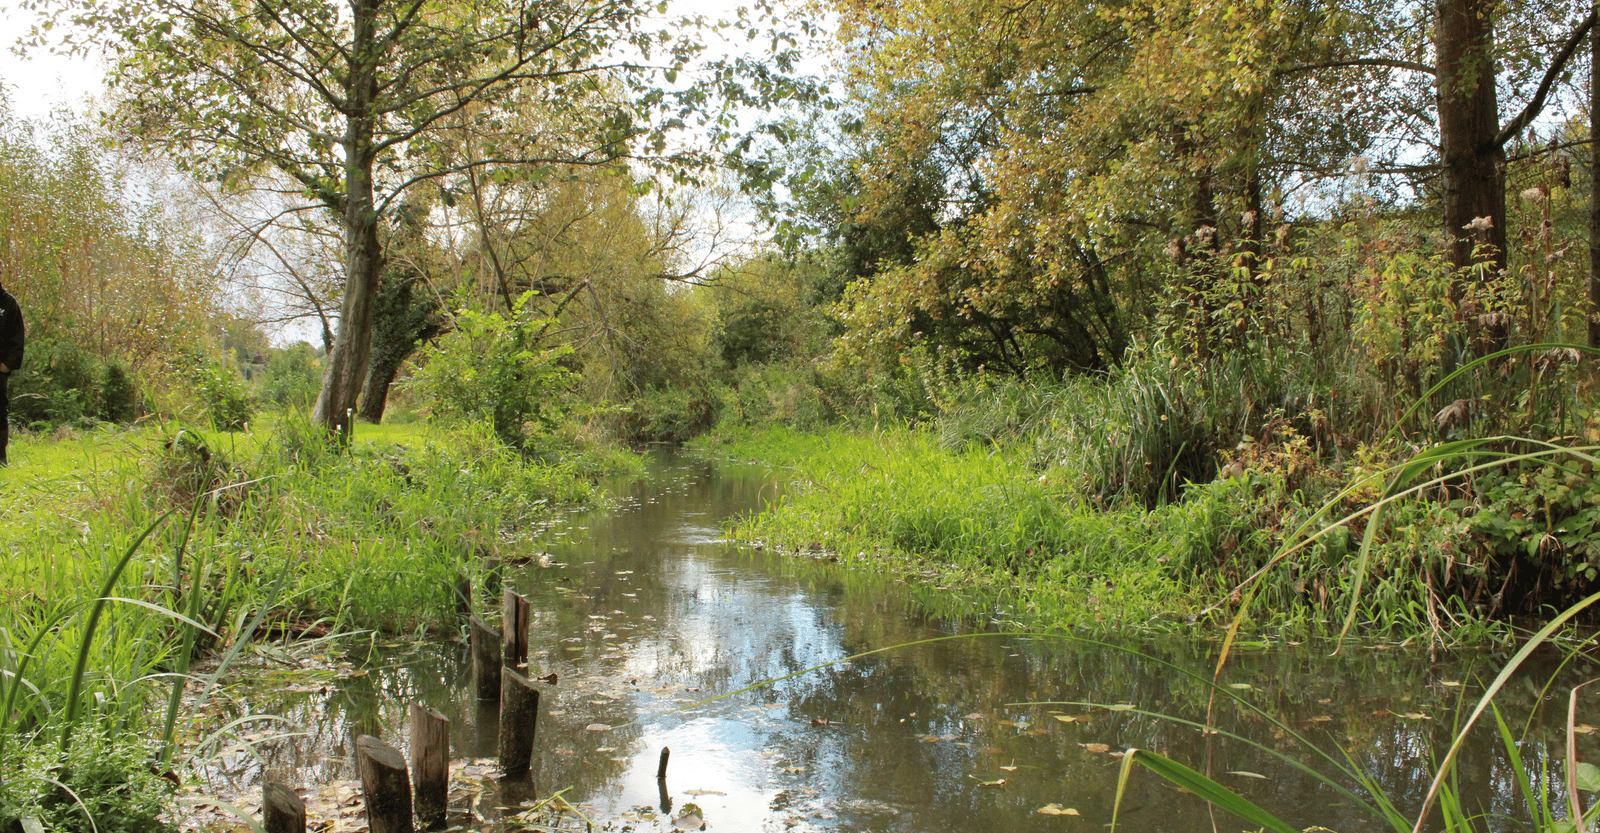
pixel 644 614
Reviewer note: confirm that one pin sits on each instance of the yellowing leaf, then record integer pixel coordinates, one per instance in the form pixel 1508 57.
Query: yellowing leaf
pixel 1121 707
pixel 1065 718
pixel 1241 686
pixel 1096 748
pixel 1056 810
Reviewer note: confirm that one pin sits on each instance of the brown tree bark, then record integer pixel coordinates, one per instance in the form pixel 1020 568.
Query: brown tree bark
pixel 1594 191
pixel 345 367
pixel 1473 160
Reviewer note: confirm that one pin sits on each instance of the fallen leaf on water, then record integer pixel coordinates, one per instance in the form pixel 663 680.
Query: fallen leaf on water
pixel 1065 718
pixel 1121 707
pixel 598 727
pixel 690 822
pixel 1001 782
pixel 1247 774
pixel 1096 748
pixel 1056 810
pixel 698 793
pixel 1012 768
pixel 1583 729
pixel 1415 716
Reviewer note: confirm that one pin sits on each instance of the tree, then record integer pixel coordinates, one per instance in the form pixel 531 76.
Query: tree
pixel 344 100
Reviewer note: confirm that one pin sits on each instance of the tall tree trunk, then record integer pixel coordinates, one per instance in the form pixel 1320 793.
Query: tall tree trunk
pixel 1594 186
pixel 346 364
pixel 375 395
pixel 1472 159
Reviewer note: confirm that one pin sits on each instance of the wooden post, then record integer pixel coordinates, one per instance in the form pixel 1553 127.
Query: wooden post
pixel 519 722
pixel 430 763
pixel 516 611
pixel 661 781
pixel 281 810
pixel 485 659
pixel 463 595
pixel 386 789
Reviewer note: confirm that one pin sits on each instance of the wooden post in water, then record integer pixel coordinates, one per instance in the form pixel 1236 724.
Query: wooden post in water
pixel 430 763
pixel 281 810
pixel 519 722
pixel 516 612
pixel 661 781
pixel 385 787
pixel 485 659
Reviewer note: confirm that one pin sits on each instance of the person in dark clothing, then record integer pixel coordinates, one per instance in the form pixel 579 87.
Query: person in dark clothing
pixel 12 338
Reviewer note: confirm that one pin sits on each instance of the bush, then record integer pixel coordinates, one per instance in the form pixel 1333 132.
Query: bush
pixel 220 389
pixel 118 396
pixel 494 368
pixel 55 386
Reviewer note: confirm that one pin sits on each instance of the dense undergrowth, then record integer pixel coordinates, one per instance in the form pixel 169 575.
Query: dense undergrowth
pixel 134 551
pixel 1168 493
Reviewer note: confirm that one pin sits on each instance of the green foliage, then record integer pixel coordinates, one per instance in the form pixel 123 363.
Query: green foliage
pixel 221 391
pixel 55 385
pixel 118 395
pixel 291 378
pixel 496 368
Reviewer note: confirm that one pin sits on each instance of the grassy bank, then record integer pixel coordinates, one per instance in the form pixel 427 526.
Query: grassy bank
pixel 134 551
pixel 1443 541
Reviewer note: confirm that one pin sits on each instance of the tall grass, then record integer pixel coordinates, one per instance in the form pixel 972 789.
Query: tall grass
pixel 240 536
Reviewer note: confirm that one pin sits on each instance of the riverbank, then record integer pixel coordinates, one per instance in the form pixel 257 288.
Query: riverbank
pixel 134 551
pixel 1277 542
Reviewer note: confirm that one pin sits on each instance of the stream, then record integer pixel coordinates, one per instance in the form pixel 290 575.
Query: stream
pixel 645 614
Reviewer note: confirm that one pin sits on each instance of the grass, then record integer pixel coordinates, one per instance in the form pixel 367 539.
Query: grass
pixel 132 550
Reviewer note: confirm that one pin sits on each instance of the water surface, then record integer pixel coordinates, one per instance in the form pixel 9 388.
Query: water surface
pixel 644 613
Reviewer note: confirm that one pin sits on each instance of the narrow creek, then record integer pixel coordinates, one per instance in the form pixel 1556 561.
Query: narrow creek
pixel 645 612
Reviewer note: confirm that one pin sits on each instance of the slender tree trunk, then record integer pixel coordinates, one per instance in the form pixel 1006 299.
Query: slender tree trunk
pixel 1472 160
pixel 346 364
pixel 1594 187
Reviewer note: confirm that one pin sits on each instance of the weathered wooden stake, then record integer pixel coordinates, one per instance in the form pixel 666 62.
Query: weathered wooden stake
pixel 516 612
pixel 519 722
pixel 485 659
pixel 430 763
pixel 281 810
pixel 661 781
pixel 386 789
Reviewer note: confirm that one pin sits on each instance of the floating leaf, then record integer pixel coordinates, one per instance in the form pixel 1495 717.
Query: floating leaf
pixel 1065 718
pixel 689 822
pixel 1096 748
pixel 1415 716
pixel 1583 729
pixel 1011 768
pixel 598 727
pixel 1000 782
pixel 1121 707
pixel 1247 774
pixel 1241 686
pixel 1056 810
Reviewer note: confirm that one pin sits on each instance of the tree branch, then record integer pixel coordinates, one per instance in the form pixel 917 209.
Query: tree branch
pixel 1531 112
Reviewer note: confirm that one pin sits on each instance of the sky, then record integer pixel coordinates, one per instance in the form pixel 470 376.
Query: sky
pixel 41 82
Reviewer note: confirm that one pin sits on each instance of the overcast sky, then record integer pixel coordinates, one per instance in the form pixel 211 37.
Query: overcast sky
pixel 41 82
